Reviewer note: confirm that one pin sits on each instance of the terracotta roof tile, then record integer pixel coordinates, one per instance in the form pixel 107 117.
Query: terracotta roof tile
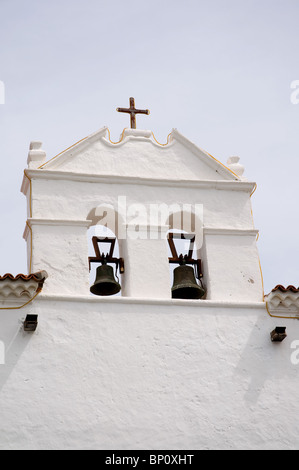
pixel 285 289
pixel 39 276
pixel 284 299
pixel 22 284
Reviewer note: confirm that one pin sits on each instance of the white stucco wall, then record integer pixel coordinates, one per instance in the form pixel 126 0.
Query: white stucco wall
pixel 226 228
pixel 124 374
pixel 140 370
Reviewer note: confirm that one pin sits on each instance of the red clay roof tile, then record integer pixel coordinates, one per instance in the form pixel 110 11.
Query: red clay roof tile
pixel 286 289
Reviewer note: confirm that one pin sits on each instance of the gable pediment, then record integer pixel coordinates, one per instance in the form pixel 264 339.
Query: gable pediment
pixel 138 154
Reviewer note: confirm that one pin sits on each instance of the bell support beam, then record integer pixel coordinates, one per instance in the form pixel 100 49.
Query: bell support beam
pixel 109 258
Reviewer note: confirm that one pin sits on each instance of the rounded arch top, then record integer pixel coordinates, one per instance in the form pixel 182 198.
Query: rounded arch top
pixel 187 219
pixel 105 215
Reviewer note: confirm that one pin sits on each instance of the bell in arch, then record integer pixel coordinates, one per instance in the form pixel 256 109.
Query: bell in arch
pixel 105 282
pixel 184 283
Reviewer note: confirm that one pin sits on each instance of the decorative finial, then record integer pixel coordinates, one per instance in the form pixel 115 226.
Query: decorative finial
pixel 234 165
pixel 36 155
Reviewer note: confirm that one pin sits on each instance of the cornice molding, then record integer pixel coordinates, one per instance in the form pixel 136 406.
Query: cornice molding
pixel 230 231
pixel 161 302
pixel 234 185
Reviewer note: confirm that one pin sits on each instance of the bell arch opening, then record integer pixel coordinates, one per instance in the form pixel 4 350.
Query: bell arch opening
pixel 106 266
pixel 185 240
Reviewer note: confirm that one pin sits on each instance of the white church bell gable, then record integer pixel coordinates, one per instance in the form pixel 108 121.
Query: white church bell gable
pixel 138 155
pixel 140 184
pixel 142 323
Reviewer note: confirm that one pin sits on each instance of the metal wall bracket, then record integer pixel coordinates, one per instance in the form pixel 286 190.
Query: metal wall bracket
pixel 279 334
pixel 30 322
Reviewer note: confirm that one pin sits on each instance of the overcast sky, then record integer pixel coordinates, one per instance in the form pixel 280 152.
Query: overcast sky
pixel 220 71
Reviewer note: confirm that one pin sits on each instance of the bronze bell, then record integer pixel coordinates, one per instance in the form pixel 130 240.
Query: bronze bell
pixel 185 285
pixel 105 283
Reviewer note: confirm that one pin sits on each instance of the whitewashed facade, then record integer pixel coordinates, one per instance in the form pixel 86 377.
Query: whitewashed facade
pixel 141 370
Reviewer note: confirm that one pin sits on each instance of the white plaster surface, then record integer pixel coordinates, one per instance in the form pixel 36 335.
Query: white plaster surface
pixel 140 156
pixel 239 279
pixel 143 371
pixel 125 374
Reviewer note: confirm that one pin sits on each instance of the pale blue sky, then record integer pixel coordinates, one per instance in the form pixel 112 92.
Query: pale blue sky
pixel 218 71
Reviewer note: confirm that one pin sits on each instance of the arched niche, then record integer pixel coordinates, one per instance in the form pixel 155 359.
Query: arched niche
pixel 106 216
